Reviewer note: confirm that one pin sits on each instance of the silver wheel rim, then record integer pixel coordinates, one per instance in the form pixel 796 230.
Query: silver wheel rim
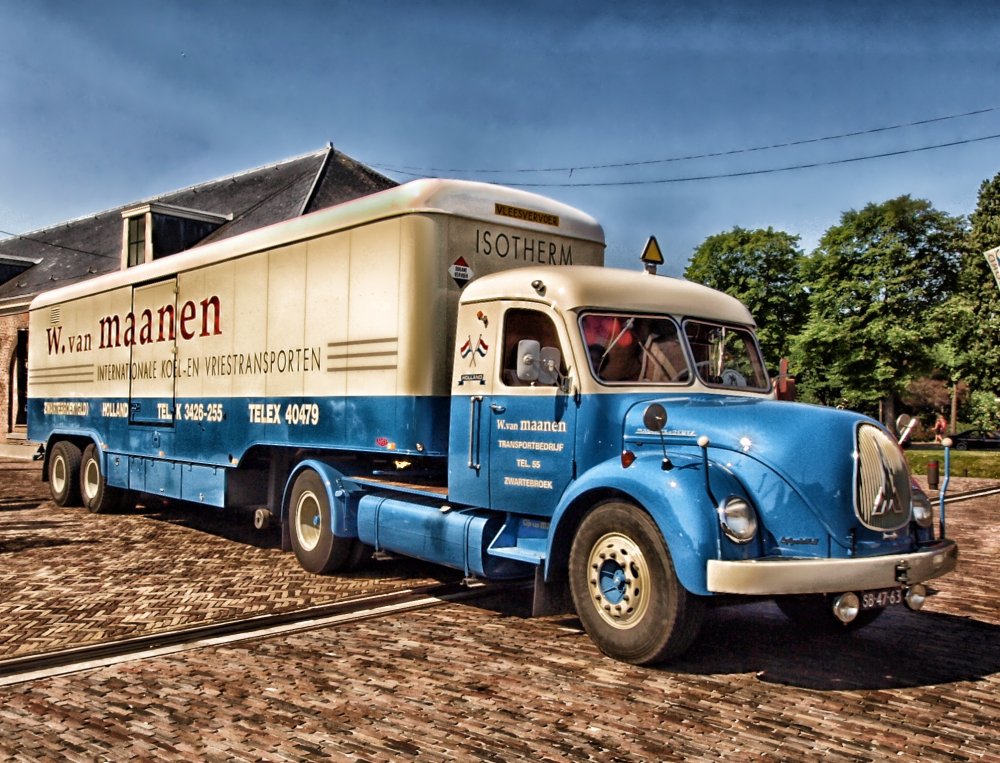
pixel 58 475
pixel 91 478
pixel 308 520
pixel 618 579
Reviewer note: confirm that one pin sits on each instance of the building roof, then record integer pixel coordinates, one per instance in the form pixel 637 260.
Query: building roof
pixel 88 246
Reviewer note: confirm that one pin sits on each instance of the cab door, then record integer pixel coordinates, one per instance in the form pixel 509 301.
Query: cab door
pixel 531 414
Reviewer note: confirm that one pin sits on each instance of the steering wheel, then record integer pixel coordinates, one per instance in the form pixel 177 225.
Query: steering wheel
pixel 733 378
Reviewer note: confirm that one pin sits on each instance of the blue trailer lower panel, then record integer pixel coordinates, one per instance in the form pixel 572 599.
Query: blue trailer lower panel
pixel 219 430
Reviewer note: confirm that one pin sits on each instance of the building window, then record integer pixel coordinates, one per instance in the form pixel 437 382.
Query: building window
pixel 172 234
pixel 158 230
pixel 136 241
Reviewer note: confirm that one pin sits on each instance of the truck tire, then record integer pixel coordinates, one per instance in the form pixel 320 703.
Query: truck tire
pixel 97 497
pixel 64 473
pixel 814 613
pixel 316 547
pixel 625 590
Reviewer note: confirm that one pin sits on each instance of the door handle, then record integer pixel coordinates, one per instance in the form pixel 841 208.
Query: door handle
pixel 475 405
pixel 497 408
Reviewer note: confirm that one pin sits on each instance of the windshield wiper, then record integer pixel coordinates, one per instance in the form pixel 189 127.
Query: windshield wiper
pixel 628 325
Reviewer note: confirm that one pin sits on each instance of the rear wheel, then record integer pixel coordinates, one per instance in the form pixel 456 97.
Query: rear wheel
pixel 815 613
pixel 64 473
pixel 97 496
pixel 316 546
pixel 625 589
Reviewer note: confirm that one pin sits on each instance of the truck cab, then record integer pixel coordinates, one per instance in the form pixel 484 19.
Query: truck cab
pixel 627 427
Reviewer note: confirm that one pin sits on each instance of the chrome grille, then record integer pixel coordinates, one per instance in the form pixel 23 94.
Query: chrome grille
pixel 882 486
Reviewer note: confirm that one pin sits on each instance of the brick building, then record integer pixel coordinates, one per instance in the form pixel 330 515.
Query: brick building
pixel 145 230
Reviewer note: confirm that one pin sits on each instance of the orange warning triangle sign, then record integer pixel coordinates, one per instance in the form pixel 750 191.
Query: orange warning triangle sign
pixel 652 255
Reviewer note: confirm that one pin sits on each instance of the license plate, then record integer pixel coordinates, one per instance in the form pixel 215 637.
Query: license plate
pixel 880 599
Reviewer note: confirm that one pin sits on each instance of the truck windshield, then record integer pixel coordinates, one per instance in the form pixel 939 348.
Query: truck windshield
pixel 725 356
pixel 650 349
pixel 635 349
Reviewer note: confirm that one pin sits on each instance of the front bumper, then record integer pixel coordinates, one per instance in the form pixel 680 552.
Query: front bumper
pixel 772 577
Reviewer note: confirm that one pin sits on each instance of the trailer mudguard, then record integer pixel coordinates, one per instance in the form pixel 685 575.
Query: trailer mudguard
pixel 342 494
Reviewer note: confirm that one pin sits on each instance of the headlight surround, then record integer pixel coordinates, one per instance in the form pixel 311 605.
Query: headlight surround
pixel 923 513
pixel 738 519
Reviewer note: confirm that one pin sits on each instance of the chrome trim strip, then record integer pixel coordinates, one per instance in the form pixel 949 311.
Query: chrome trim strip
pixel 770 577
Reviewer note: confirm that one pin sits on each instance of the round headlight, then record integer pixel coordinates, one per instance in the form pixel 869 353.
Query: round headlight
pixel 738 519
pixel 923 514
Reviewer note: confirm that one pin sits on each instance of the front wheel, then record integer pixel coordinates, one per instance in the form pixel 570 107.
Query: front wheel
pixel 316 546
pixel 625 590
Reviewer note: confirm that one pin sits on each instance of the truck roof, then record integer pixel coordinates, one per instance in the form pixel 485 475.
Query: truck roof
pixel 459 198
pixel 583 286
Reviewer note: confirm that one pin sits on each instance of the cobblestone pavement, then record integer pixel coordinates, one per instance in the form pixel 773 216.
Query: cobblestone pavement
pixel 68 577
pixel 464 682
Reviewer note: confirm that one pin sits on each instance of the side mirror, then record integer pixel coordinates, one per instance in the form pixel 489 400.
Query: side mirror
pixel 655 417
pixel 529 360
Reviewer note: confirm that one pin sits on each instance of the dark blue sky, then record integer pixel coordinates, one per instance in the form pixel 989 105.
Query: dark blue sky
pixel 102 103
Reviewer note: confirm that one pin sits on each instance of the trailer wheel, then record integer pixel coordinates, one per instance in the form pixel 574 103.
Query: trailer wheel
pixel 625 589
pixel 316 547
pixel 814 613
pixel 64 473
pixel 97 497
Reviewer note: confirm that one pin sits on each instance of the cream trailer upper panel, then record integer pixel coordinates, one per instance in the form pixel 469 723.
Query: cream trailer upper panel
pixel 463 199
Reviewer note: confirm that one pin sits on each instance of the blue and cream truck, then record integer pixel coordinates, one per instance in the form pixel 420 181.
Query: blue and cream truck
pixel 445 370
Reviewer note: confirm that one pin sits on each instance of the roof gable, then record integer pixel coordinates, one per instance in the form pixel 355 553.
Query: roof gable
pixel 80 249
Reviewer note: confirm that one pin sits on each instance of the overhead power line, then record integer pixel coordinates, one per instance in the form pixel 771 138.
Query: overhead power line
pixel 57 246
pixel 423 171
pixel 744 173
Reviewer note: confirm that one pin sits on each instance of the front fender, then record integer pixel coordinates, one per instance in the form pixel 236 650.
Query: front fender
pixel 676 499
pixel 341 493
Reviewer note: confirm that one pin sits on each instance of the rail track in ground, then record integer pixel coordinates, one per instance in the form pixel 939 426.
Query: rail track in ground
pixel 42 665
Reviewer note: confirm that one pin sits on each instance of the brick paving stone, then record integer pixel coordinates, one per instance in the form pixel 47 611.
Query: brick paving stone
pixel 69 578
pixel 484 682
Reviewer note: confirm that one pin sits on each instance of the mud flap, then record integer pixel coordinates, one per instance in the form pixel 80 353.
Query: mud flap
pixel 551 598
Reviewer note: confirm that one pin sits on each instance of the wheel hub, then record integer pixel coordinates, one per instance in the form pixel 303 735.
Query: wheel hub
pixel 309 520
pixel 59 474
pixel 619 575
pixel 91 479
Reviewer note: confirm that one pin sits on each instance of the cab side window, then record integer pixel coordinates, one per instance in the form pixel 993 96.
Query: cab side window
pixel 520 325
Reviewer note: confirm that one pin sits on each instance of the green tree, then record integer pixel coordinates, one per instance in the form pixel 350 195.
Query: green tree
pixel 967 326
pixel 872 280
pixel 761 269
